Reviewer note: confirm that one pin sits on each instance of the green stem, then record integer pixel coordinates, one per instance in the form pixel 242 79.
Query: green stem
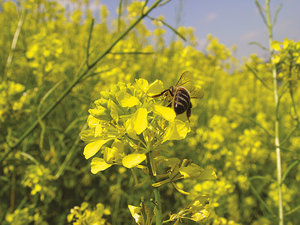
pixel 15 40
pixel 78 78
pixel 69 156
pixel 260 199
pixel 158 211
pixel 89 42
pixel 119 15
pixel 257 77
pixel 277 141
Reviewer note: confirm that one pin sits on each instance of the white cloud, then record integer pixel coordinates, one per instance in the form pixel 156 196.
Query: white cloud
pixel 249 36
pixel 211 16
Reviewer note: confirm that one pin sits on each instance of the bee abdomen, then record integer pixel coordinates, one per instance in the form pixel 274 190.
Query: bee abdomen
pixel 181 101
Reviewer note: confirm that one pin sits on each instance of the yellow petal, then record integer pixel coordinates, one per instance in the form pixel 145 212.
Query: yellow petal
pixel 83 206
pixel 100 113
pixel 92 148
pixel 155 88
pixel 135 211
pixel 276 59
pixel 126 100
pixel 111 155
pixel 276 45
pixel 130 131
pixel 133 160
pixel 138 122
pixel 115 111
pixel 176 130
pixel 286 42
pixel 98 129
pixel 98 164
pixel 200 216
pixel 105 94
pixel 92 121
pixel 166 112
pixel 142 84
pixel 119 145
pixel 88 136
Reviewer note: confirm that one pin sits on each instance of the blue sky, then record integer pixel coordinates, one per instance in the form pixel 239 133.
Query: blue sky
pixel 231 21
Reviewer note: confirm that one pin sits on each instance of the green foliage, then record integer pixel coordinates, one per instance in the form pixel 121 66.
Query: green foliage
pixel 55 59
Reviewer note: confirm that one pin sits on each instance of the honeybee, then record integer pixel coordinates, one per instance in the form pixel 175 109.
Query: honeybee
pixel 180 95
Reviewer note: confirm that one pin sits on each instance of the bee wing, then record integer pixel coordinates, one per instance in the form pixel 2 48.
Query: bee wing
pixel 186 80
pixel 196 92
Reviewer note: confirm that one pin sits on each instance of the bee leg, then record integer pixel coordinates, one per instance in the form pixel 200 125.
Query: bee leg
pixel 171 91
pixel 155 96
pixel 189 111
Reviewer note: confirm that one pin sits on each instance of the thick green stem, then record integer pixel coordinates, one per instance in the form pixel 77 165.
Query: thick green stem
pixel 158 211
pixel 158 206
pixel 277 141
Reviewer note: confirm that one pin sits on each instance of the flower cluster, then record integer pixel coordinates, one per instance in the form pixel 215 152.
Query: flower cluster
pixel 85 215
pixel 131 128
pixel 132 124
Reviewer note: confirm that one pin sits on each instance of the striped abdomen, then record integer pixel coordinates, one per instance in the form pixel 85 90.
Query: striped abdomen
pixel 182 100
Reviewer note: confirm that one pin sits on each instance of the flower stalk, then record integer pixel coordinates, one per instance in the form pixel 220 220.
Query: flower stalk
pixel 276 101
pixel 158 211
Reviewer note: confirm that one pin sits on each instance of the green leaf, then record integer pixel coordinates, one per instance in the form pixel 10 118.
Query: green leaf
pixel 191 171
pixel 170 161
pixel 166 112
pixel 92 148
pixel 195 171
pixel 207 175
pixel 126 100
pixel 133 160
pixel 98 164
pixel 288 170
